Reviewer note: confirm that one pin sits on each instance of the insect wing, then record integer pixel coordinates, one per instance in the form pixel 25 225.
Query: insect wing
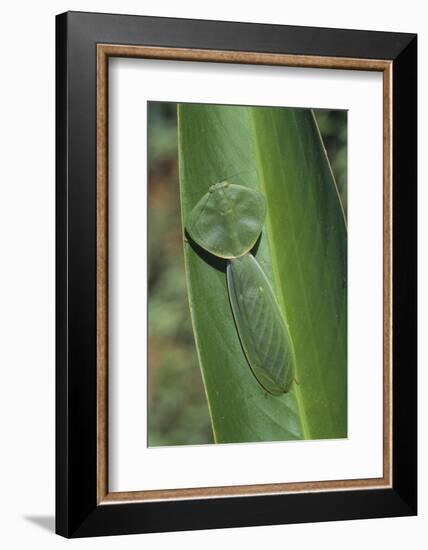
pixel 263 333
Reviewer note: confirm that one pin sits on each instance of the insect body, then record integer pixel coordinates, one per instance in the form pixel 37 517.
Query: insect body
pixel 262 331
pixel 227 222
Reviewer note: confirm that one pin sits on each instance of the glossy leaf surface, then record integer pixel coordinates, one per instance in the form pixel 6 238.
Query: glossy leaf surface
pixel 302 251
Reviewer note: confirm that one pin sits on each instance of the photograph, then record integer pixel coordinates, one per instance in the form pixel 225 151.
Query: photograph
pixel 213 256
pixel 247 274
pixel 236 273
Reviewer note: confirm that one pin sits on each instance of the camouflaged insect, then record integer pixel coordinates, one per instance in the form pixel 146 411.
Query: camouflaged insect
pixel 227 221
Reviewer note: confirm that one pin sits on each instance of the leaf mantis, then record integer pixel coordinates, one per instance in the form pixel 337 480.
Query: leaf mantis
pixel 227 221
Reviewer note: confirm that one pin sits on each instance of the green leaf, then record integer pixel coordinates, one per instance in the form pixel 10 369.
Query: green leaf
pixel 302 251
pixel 308 242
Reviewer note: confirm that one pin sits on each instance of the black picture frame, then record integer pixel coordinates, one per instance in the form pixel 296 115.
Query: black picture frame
pixel 78 513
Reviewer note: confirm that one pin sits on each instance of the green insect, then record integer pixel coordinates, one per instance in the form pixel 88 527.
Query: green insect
pixel 227 222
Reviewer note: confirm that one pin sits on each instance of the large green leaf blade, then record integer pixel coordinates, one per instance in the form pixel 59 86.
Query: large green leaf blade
pixel 303 253
pixel 217 143
pixel 308 243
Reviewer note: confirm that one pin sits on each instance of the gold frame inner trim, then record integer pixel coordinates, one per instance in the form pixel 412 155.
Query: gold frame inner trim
pixel 104 52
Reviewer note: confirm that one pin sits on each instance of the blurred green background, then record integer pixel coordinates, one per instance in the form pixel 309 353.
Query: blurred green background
pixel 177 408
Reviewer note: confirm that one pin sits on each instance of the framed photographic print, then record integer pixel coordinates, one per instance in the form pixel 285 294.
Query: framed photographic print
pixel 236 274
